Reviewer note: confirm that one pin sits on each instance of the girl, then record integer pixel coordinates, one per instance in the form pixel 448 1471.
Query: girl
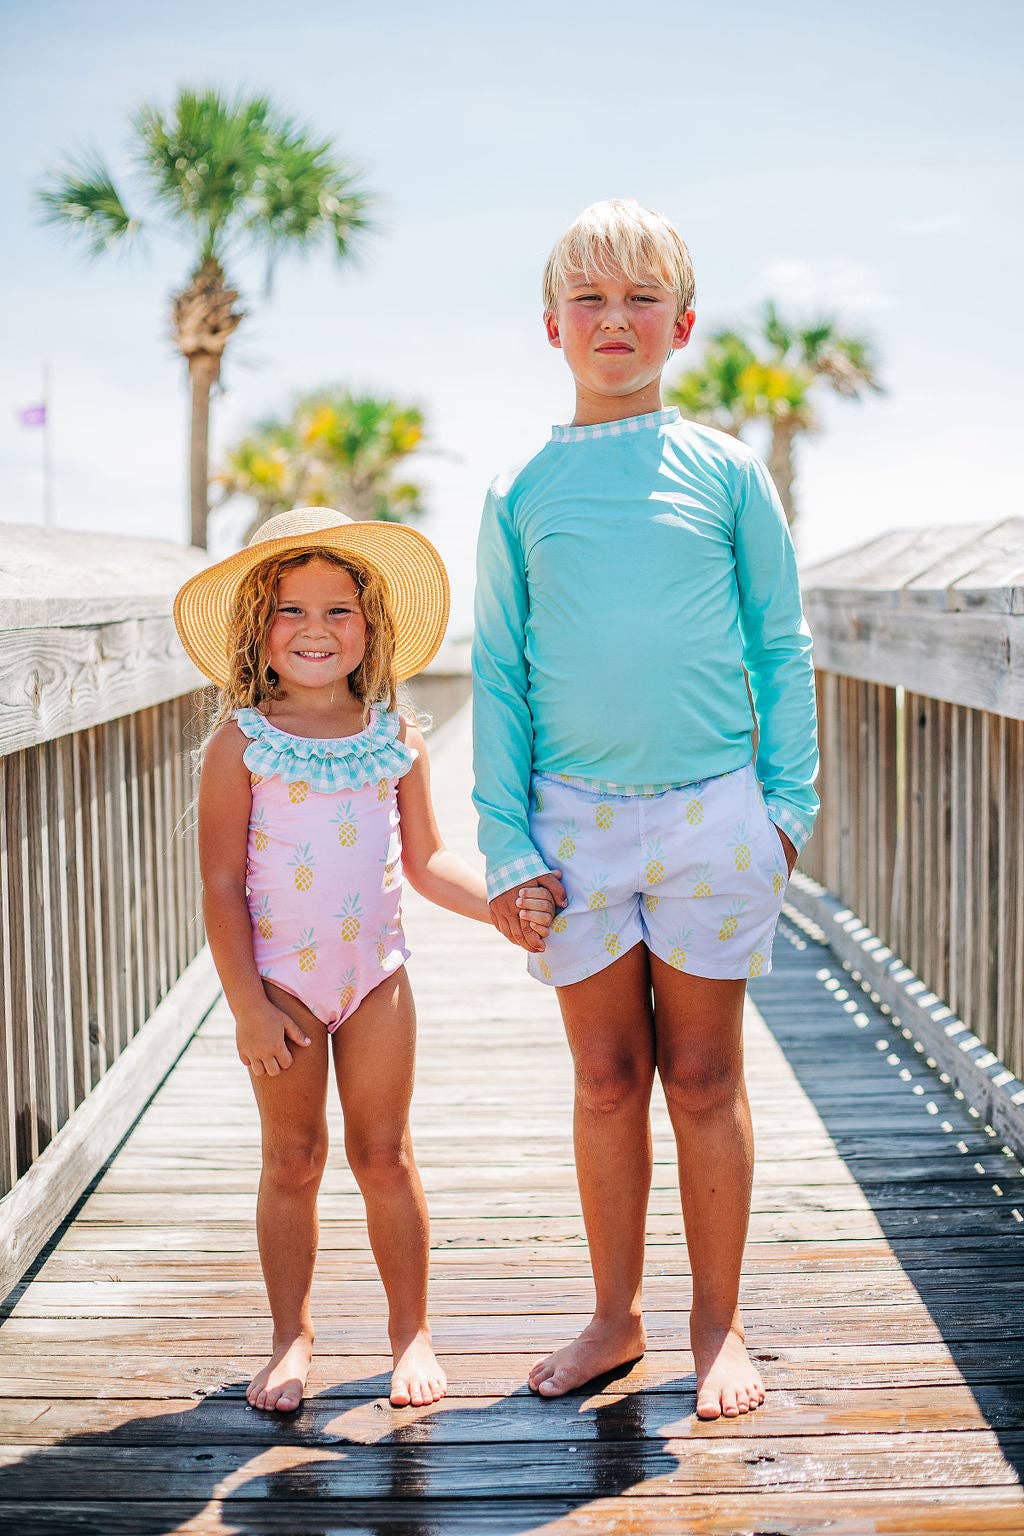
pixel 314 800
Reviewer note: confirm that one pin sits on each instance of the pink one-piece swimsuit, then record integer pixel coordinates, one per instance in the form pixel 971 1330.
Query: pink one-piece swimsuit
pixel 324 865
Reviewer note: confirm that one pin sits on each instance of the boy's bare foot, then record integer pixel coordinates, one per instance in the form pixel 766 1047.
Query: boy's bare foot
pixel 418 1376
pixel 727 1383
pixel 282 1381
pixel 602 1346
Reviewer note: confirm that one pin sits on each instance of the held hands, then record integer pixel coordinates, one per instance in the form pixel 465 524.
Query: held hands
pixel 262 1037
pixel 524 913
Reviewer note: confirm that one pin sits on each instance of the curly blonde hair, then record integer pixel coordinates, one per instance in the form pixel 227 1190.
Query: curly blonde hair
pixel 252 680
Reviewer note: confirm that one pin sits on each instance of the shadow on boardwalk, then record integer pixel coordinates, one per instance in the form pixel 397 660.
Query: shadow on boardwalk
pixel 929 1178
pixel 253 1472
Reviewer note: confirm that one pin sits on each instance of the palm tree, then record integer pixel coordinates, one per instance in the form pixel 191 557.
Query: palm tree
pixel 775 377
pixel 335 449
pixel 230 177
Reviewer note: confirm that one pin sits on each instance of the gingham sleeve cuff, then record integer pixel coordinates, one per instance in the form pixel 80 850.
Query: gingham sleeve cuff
pixel 796 830
pixel 527 867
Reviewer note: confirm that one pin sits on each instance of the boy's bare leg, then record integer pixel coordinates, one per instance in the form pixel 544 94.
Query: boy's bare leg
pixel 609 1025
pixel 293 1118
pixel 374 1057
pixel 699 1024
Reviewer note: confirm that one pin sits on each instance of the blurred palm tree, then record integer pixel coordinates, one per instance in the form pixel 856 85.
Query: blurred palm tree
pixel 336 449
pixel 230 177
pixel 774 377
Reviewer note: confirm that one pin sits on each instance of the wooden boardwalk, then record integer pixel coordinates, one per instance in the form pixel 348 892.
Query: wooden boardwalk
pixel 881 1291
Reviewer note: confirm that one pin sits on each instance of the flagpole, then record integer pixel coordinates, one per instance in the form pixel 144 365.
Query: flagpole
pixel 48 508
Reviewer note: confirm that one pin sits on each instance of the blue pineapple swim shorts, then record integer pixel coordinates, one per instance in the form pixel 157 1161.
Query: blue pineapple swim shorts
pixel 697 873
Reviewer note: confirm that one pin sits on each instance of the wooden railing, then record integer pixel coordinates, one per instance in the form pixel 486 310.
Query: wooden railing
pixel 103 974
pixel 919 654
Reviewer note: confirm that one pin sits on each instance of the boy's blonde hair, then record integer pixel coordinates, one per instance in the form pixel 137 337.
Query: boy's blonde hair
pixel 621 235
pixel 252 679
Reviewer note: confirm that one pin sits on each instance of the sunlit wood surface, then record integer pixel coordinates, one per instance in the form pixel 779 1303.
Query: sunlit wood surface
pixel 882 1294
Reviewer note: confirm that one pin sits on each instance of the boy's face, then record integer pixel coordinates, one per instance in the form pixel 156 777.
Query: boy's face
pixel 616 335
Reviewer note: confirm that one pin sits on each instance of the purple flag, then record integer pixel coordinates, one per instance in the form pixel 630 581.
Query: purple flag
pixel 33 416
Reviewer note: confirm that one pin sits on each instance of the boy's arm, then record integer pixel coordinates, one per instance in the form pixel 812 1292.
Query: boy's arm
pixel 777 655
pixel 502 727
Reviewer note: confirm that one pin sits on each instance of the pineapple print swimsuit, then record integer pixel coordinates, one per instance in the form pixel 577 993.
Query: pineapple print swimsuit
pixel 324 865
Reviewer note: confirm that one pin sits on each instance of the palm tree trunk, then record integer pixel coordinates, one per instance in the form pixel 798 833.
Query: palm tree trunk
pixel 203 370
pixel 780 466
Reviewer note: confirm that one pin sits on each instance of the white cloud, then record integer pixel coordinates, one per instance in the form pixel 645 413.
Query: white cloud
pixel 934 224
pixel 842 286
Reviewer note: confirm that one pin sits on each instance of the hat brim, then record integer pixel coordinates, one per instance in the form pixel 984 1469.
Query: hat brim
pixel 412 570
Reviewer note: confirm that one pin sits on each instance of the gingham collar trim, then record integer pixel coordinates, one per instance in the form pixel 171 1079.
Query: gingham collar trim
pixel 623 428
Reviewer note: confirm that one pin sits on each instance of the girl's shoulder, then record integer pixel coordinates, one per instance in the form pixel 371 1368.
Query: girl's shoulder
pixel 327 764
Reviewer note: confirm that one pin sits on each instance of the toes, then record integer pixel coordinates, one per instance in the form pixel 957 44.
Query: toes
pixel 555 1384
pixel 400 1393
pixel 709 1405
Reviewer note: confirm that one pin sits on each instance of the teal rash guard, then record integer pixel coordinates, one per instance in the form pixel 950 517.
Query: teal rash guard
pixel 626 577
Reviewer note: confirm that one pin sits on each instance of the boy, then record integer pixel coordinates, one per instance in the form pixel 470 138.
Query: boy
pixel 627 576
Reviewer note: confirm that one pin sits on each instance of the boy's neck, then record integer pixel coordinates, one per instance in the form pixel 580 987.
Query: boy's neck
pixel 592 409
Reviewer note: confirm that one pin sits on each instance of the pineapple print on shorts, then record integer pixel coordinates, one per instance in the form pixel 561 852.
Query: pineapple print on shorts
pixel 756 963
pixel 677 955
pixel 651 901
pixel 597 896
pixel 702 885
pixel 567 840
pixel 351 916
pixel 308 947
pixel 740 847
pixel 654 861
pixel 609 938
pixel 731 919
pixel 604 816
pixel 258 830
pixel 302 862
pixel 264 918
pixel 695 810
pixel 345 821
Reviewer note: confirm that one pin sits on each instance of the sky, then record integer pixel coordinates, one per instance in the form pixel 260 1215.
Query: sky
pixel 863 161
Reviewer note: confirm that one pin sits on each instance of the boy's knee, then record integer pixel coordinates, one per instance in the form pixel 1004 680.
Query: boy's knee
pixel 295 1161
pixel 696 1084
pixel 613 1083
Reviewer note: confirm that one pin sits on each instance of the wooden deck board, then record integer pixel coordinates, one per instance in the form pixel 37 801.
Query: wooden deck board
pixel 881 1293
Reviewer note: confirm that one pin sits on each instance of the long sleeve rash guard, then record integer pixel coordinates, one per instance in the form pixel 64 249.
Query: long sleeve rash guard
pixel 626 577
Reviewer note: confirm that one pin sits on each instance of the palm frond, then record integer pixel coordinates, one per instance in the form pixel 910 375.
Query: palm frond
pixel 83 200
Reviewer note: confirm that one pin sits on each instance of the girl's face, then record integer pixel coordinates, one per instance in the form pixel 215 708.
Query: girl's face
pixel 318 635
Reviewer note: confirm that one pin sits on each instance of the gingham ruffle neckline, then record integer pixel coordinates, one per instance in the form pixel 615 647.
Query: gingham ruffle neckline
pixel 328 764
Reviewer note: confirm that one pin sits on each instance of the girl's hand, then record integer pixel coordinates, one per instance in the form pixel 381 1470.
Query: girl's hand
pixel 262 1039
pixel 536 909
pixel 505 911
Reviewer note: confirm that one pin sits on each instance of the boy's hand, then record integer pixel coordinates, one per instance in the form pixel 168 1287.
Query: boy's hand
pixel 788 849
pixel 505 911
pixel 262 1040
pixel 536 909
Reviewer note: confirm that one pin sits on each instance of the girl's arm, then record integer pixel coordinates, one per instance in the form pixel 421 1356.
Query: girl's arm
pixel 432 869
pixel 225 803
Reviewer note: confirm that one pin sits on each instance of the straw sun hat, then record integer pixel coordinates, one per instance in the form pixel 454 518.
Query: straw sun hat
pixel 413 572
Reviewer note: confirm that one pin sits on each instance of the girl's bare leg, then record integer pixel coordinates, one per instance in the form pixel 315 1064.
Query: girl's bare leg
pixel 699 1024
pixel 374 1054
pixel 293 1117
pixel 609 1025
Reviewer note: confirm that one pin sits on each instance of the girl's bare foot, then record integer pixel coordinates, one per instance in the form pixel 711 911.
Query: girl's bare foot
pixel 727 1383
pixel 282 1381
pixel 602 1346
pixel 418 1376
